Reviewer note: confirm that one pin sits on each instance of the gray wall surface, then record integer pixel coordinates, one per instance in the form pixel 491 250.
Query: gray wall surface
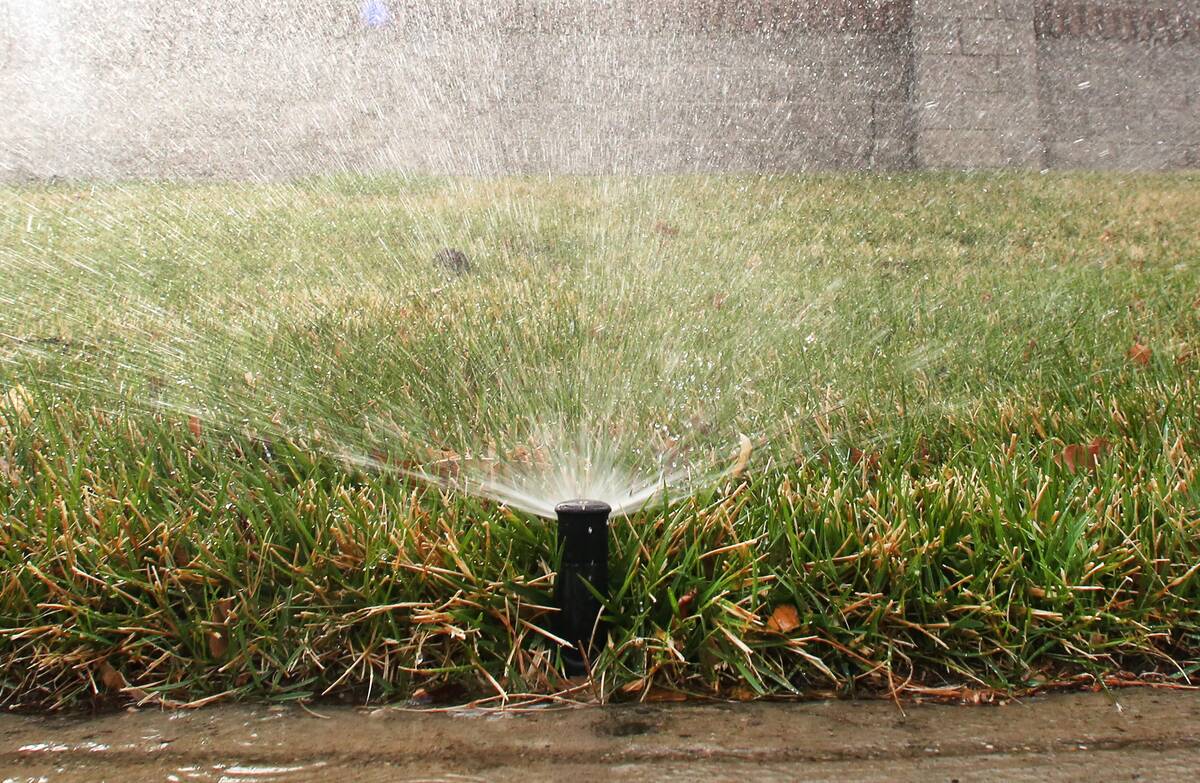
pixel 268 89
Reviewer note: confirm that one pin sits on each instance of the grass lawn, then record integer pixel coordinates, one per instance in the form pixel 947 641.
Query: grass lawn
pixel 972 401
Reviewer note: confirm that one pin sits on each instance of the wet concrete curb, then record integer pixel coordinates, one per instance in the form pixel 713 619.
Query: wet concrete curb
pixel 1130 735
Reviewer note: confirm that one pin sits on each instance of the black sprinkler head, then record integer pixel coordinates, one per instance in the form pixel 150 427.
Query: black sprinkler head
pixel 583 542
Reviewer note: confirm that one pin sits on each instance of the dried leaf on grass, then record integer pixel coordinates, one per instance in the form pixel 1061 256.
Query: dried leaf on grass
pixel 743 456
pixel 16 407
pixel 111 678
pixel 658 694
pixel 1083 455
pixel 9 473
pixel 741 693
pixel 685 603
pixel 784 619
pixel 438 693
pixel 647 691
pixel 218 646
pixel 922 452
pixel 218 637
pixel 666 229
pixel 1177 452
pixel 1140 354
pixel 634 686
pixel 1073 456
pixel 868 459
pixel 114 681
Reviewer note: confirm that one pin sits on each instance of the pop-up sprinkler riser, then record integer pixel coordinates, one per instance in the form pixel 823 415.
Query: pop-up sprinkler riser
pixel 583 542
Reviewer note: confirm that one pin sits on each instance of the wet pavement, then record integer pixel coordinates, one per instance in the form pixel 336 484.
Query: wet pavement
pixel 1132 734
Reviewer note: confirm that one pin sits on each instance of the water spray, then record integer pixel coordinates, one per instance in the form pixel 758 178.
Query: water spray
pixel 583 542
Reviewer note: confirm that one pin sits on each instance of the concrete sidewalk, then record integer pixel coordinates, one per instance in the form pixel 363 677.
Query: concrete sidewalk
pixel 1136 734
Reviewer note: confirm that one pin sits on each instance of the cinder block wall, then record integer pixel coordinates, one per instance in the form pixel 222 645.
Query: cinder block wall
pixel 1119 84
pixel 240 89
pixel 1057 83
pixel 975 97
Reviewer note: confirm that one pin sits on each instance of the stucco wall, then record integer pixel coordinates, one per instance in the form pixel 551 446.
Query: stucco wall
pixel 153 88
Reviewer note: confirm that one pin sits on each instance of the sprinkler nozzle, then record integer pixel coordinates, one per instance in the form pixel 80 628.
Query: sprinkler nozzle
pixel 583 543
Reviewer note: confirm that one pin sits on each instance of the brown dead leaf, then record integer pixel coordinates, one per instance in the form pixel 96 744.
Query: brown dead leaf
pixel 1177 452
pixel 784 619
pixel 1097 449
pixel 194 426
pixel 634 686
pixel 1140 354
pixel 218 638
pixel 685 603
pixel 114 681
pixel 222 610
pixel 1083 455
pixel 438 693
pixel 1073 455
pixel 666 229
pixel 218 645
pixel 16 407
pixel 922 452
pixel 659 694
pixel 250 379
pixel 111 678
pixel 743 456
pixel 9 473
pixel 868 459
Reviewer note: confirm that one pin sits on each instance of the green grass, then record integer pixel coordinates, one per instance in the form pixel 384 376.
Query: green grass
pixel 943 525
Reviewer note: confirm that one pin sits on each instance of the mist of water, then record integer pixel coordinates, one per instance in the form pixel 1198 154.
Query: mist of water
pixel 441 293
